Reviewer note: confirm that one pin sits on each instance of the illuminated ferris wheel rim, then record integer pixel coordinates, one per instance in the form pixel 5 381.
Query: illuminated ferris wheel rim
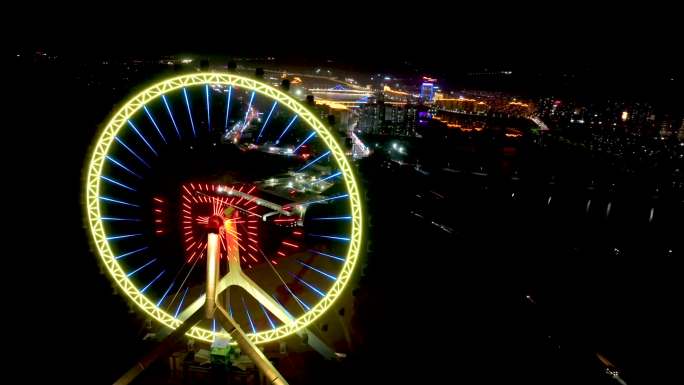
pixel 96 228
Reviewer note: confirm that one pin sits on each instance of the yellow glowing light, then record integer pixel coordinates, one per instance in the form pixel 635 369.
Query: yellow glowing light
pixel 390 90
pixel 456 100
pixel 332 104
pixel 625 115
pixel 99 237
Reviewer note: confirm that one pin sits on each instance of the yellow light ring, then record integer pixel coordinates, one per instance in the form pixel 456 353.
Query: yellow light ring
pixel 93 181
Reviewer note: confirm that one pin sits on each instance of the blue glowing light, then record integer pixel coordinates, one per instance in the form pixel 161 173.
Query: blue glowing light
pixel 337 238
pixel 153 281
pixel 249 106
pixel 323 273
pixel 327 255
pixel 206 94
pixel 294 118
pixel 140 268
pixel 131 252
pixel 180 304
pixel 275 103
pixel 230 92
pixel 270 322
pixel 310 286
pixel 329 177
pixel 116 182
pixel 116 162
pixel 249 316
pixel 311 135
pixel 315 160
pixel 346 218
pixel 142 137
pixel 168 109
pixel 121 142
pixel 326 199
pixel 149 115
pixel 107 199
pixel 187 104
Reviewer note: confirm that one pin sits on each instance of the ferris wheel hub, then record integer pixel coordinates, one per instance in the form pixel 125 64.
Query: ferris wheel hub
pixel 214 224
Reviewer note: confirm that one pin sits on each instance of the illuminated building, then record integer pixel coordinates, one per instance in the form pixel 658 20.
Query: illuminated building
pixel 384 118
pixel 427 91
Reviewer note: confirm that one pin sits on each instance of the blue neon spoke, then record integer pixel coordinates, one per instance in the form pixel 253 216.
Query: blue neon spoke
pixel 326 199
pixel 249 106
pixel 335 257
pixel 230 310
pixel 140 268
pixel 346 239
pixel 142 137
pixel 187 104
pixel 116 162
pixel 347 218
pixel 329 177
pixel 319 271
pixel 315 160
pixel 180 304
pixel 168 109
pixel 122 236
pixel 249 317
pixel 166 293
pixel 311 135
pixel 118 201
pixel 120 219
pixel 275 103
pixel 286 129
pixel 270 322
pixel 310 286
pixel 131 252
pixel 307 307
pixel 153 281
pixel 116 182
pixel 213 325
pixel 149 115
pixel 121 142
pixel 230 93
pixel 283 306
pixel 206 93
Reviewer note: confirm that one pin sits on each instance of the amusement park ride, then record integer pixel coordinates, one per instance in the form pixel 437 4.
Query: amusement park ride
pixel 224 171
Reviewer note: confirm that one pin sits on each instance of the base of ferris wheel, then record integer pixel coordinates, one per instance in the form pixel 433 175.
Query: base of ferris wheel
pixel 223 353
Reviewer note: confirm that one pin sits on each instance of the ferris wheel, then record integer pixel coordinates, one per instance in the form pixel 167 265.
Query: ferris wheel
pixel 220 171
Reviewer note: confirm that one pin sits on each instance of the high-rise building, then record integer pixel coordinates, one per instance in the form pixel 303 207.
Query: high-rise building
pixel 427 92
pixel 383 118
